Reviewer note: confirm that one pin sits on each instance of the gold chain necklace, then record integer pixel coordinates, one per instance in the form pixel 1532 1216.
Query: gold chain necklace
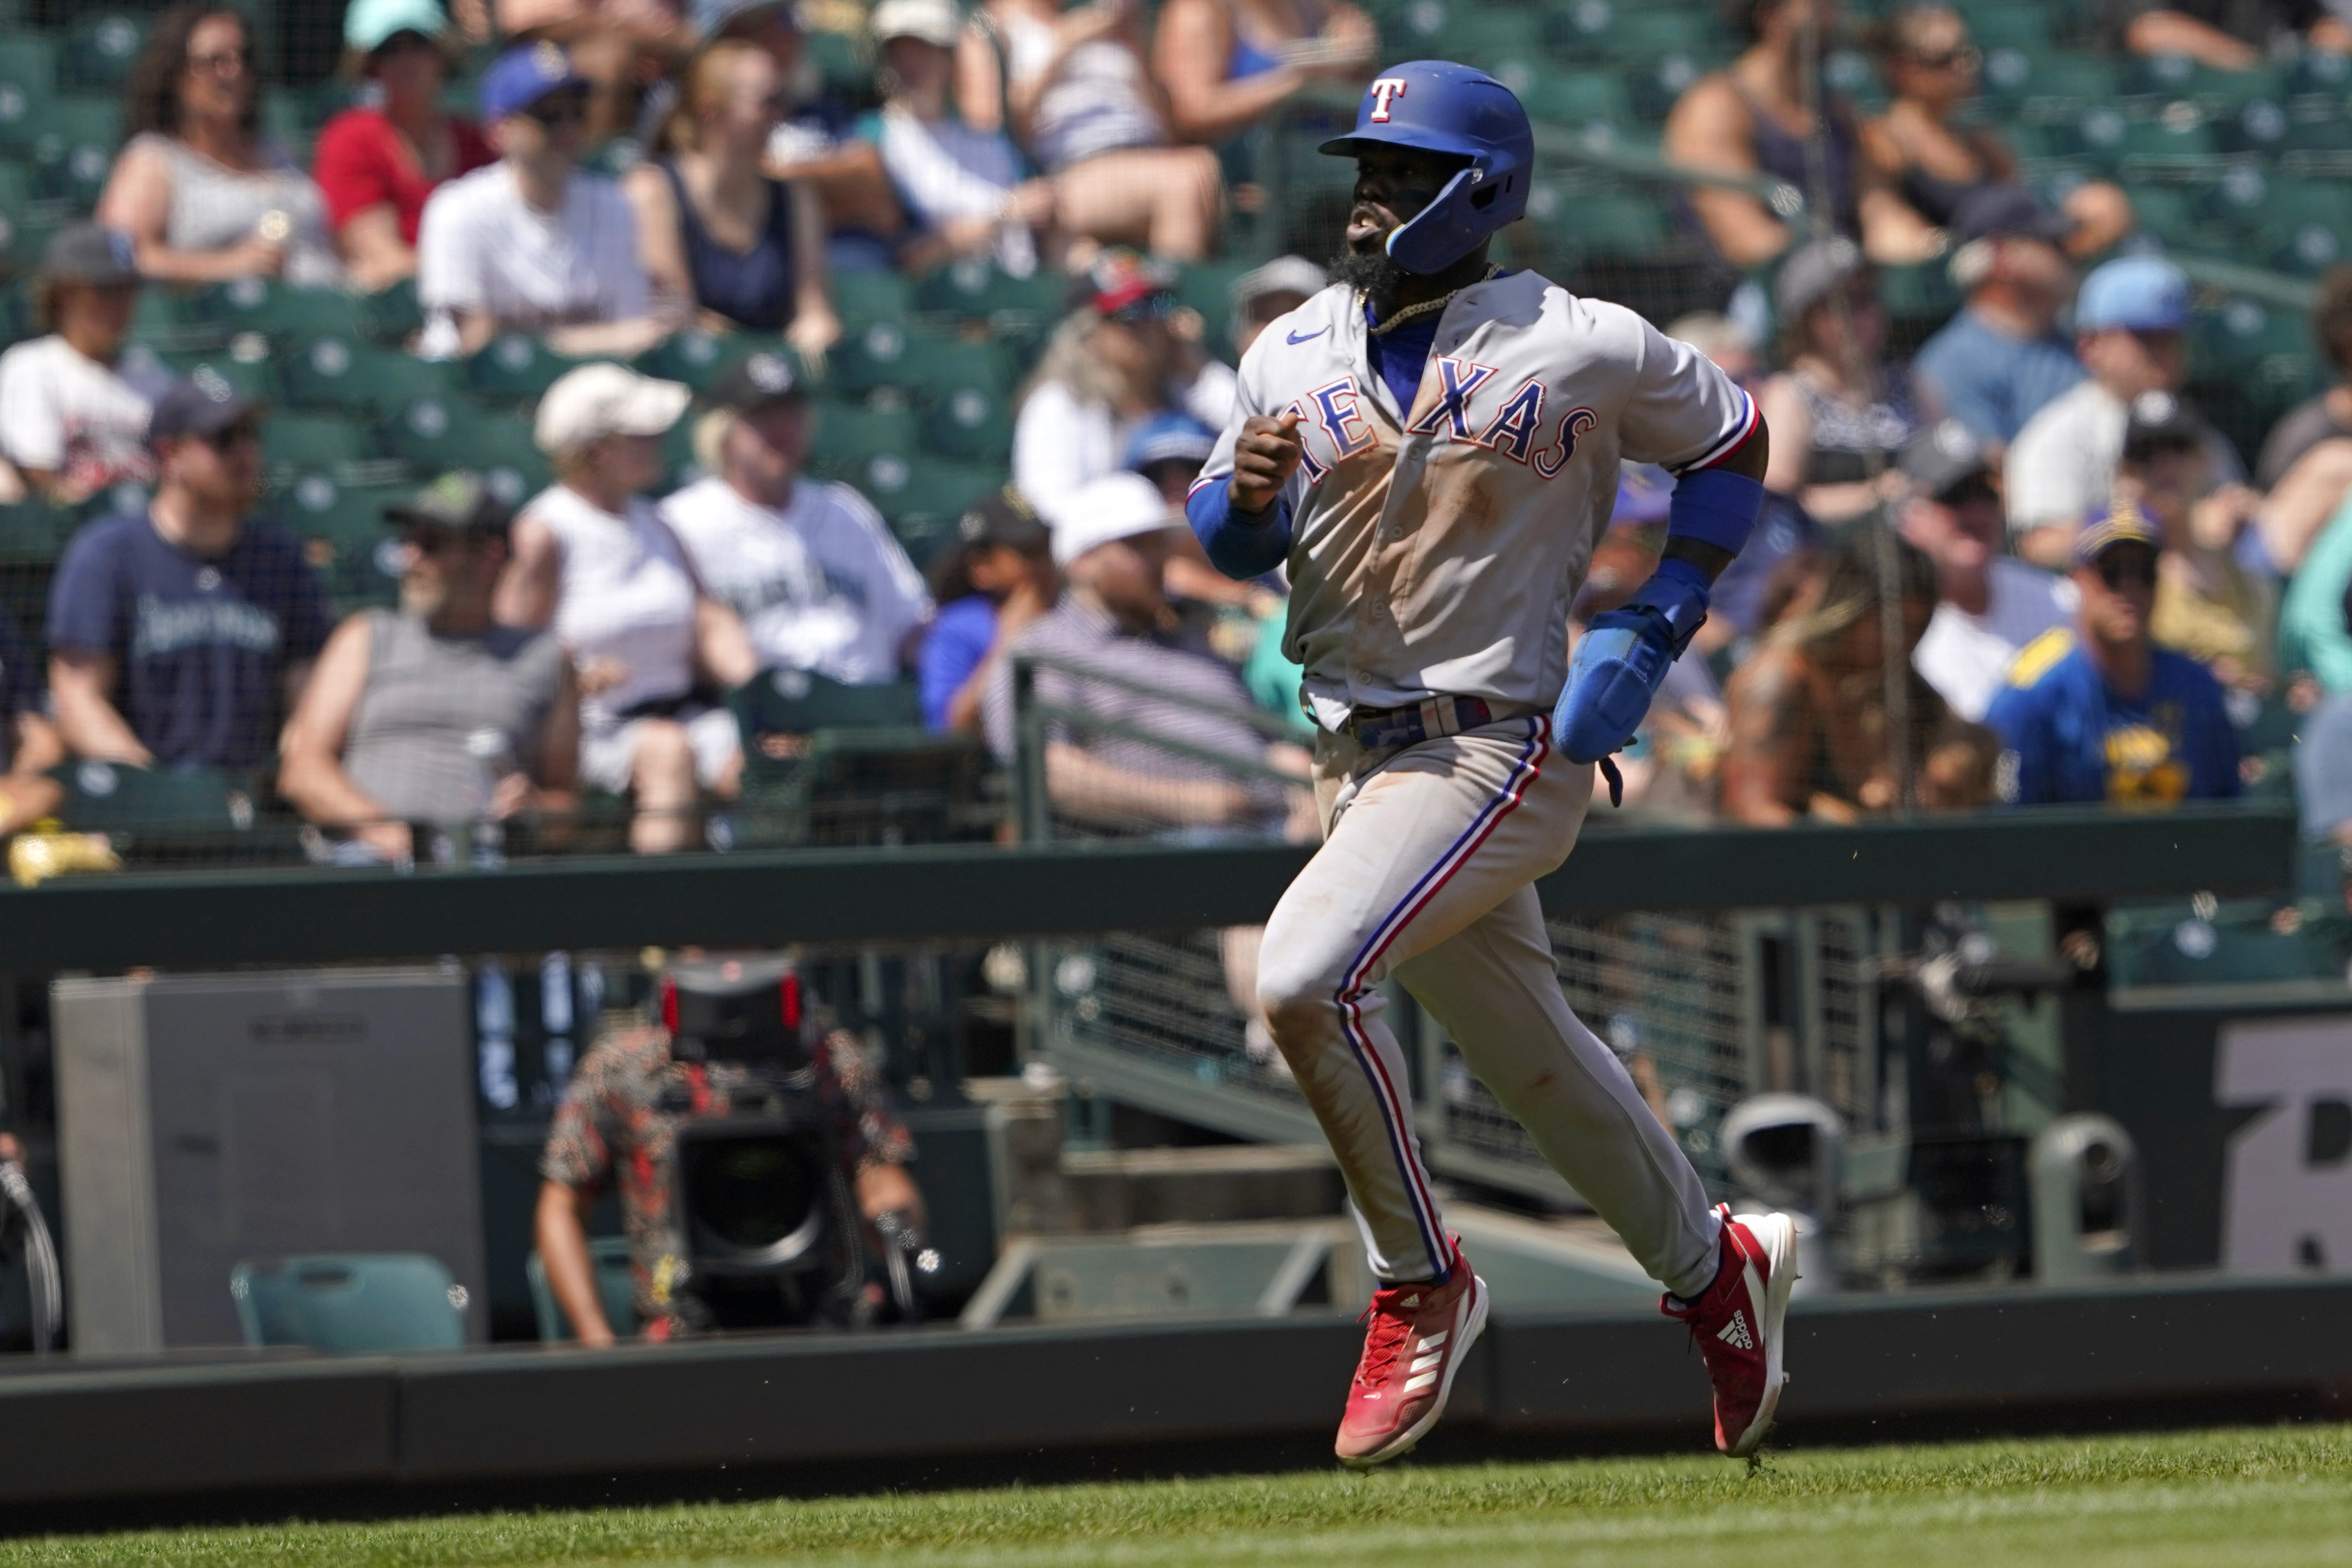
pixel 1429 307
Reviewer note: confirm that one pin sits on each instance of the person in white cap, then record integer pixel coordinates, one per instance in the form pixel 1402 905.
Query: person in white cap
pixel 1112 544
pixel 592 559
pixel 1264 295
pixel 962 188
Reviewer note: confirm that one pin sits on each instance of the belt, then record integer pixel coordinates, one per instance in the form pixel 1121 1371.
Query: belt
pixel 1378 729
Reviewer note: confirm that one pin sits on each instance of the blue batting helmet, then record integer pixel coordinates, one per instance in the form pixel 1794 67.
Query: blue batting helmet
pixel 1440 107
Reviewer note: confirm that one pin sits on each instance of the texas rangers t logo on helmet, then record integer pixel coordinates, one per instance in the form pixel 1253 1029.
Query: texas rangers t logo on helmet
pixel 1385 91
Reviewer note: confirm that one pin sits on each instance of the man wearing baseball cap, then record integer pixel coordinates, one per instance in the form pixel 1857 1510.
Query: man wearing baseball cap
pixel 1112 545
pixel 2002 359
pixel 390 735
pixel 178 632
pixel 2130 320
pixel 73 418
pixel 595 562
pixel 2101 713
pixel 1989 606
pixel 810 566
pixel 530 244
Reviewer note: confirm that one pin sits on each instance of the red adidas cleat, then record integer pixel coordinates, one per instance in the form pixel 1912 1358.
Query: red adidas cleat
pixel 1417 1338
pixel 1736 1326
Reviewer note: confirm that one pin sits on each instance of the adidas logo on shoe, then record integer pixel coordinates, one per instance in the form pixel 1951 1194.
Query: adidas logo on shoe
pixel 1735 1333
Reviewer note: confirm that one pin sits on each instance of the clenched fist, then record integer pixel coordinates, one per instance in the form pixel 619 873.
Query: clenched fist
pixel 1264 457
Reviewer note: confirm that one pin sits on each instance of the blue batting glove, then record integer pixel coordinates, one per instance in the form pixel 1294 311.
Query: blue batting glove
pixel 1622 659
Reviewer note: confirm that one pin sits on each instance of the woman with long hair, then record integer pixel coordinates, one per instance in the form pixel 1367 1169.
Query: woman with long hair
pixel 1811 728
pixel 378 162
pixel 1838 411
pixel 1073 89
pixel 1929 66
pixel 713 228
pixel 203 196
pixel 1228 64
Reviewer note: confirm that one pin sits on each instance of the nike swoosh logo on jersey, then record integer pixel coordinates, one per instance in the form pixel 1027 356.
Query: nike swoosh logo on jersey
pixel 1296 338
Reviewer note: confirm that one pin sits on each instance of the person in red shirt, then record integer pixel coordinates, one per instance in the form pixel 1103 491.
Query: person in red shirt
pixel 378 162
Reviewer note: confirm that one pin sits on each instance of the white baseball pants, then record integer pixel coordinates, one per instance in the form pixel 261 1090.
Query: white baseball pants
pixel 1427 869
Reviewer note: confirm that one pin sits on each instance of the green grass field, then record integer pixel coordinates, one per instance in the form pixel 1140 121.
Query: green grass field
pixel 2240 1498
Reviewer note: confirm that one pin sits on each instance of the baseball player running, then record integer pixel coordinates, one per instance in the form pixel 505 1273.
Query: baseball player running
pixel 1431 447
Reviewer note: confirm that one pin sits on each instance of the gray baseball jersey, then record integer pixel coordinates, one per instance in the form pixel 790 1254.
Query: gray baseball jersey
pixel 1437 549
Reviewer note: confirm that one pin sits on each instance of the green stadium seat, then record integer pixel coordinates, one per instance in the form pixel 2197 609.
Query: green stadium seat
pixel 975 288
pixel 249 377
pixel 2167 211
pixel 98 52
pixel 35 531
pixel 316 505
pixel 862 298
pixel 351 1304
pixel 1579 99
pixel 616 1289
pixel 695 358
pixel 969 420
pixel 27 84
pixel 515 369
pixel 2025 28
pixel 2169 77
pixel 389 315
pixel 312 441
pixel 2243 335
pixel 2107 135
pixel 1917 293
pixel 171 320
pixel 258 305
pixel 346 375
pixel 795 701
pixel 2049 85
pixel 1628 31
pixel 1584 224
pixel 74 146
pixel 922 500
pixel 102 798
pixel 871 356
pixel 849 436
pixel 436 434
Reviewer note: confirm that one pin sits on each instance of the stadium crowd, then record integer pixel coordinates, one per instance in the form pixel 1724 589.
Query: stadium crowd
pixel 2019 565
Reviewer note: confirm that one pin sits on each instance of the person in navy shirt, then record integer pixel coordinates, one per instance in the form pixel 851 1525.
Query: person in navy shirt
pixel 2100 712
pixel 175 635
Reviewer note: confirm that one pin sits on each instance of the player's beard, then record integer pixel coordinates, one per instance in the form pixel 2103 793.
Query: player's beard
pixel 1369 271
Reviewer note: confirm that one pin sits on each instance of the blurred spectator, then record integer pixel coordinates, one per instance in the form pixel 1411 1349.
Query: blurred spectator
pixel 1930 68
pixel 1107 366
pixel 378 162
pixel 1228 64
pixel 1113 546
pixel 2208 605
pixel 1810 720
pixel 2227 34
pixel 1987 606
pixel 530 244
pixel 1752 118
pixel 964 189
pixel 595 562
pixel 815 145
pixel 2128 323
pixel 73 418
pixel 2323 764
pixel 202 195
pixel 2313 641
pixel 1072 88
pixel 994 578
pixel 714 232
pixel 616 1128
pixel 2306 467
pixel 1723 341
pixel 1838 411
pixel 1169 449
pixel 1264 295
pixel 619 46
pixel 433 714
pixel 1999 361
pixel 29 744
pixel 1670 770
pixel 809 565
pixel 175 634
pixel 2101 713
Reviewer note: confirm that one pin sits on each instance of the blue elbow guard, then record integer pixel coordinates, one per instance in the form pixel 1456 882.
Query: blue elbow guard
pixel 1712 507
pixel 1238 544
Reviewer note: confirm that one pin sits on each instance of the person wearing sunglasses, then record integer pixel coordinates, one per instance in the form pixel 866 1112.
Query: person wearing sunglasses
pixel 203 194
pixel 1931 69
pixel 379 161
pixel 390 734
pixel 531 244
pixel 2100 713
pixel 1988 605
pixel 179 633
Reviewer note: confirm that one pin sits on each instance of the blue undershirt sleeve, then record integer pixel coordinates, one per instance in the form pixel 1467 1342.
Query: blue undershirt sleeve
pixel 1239 544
